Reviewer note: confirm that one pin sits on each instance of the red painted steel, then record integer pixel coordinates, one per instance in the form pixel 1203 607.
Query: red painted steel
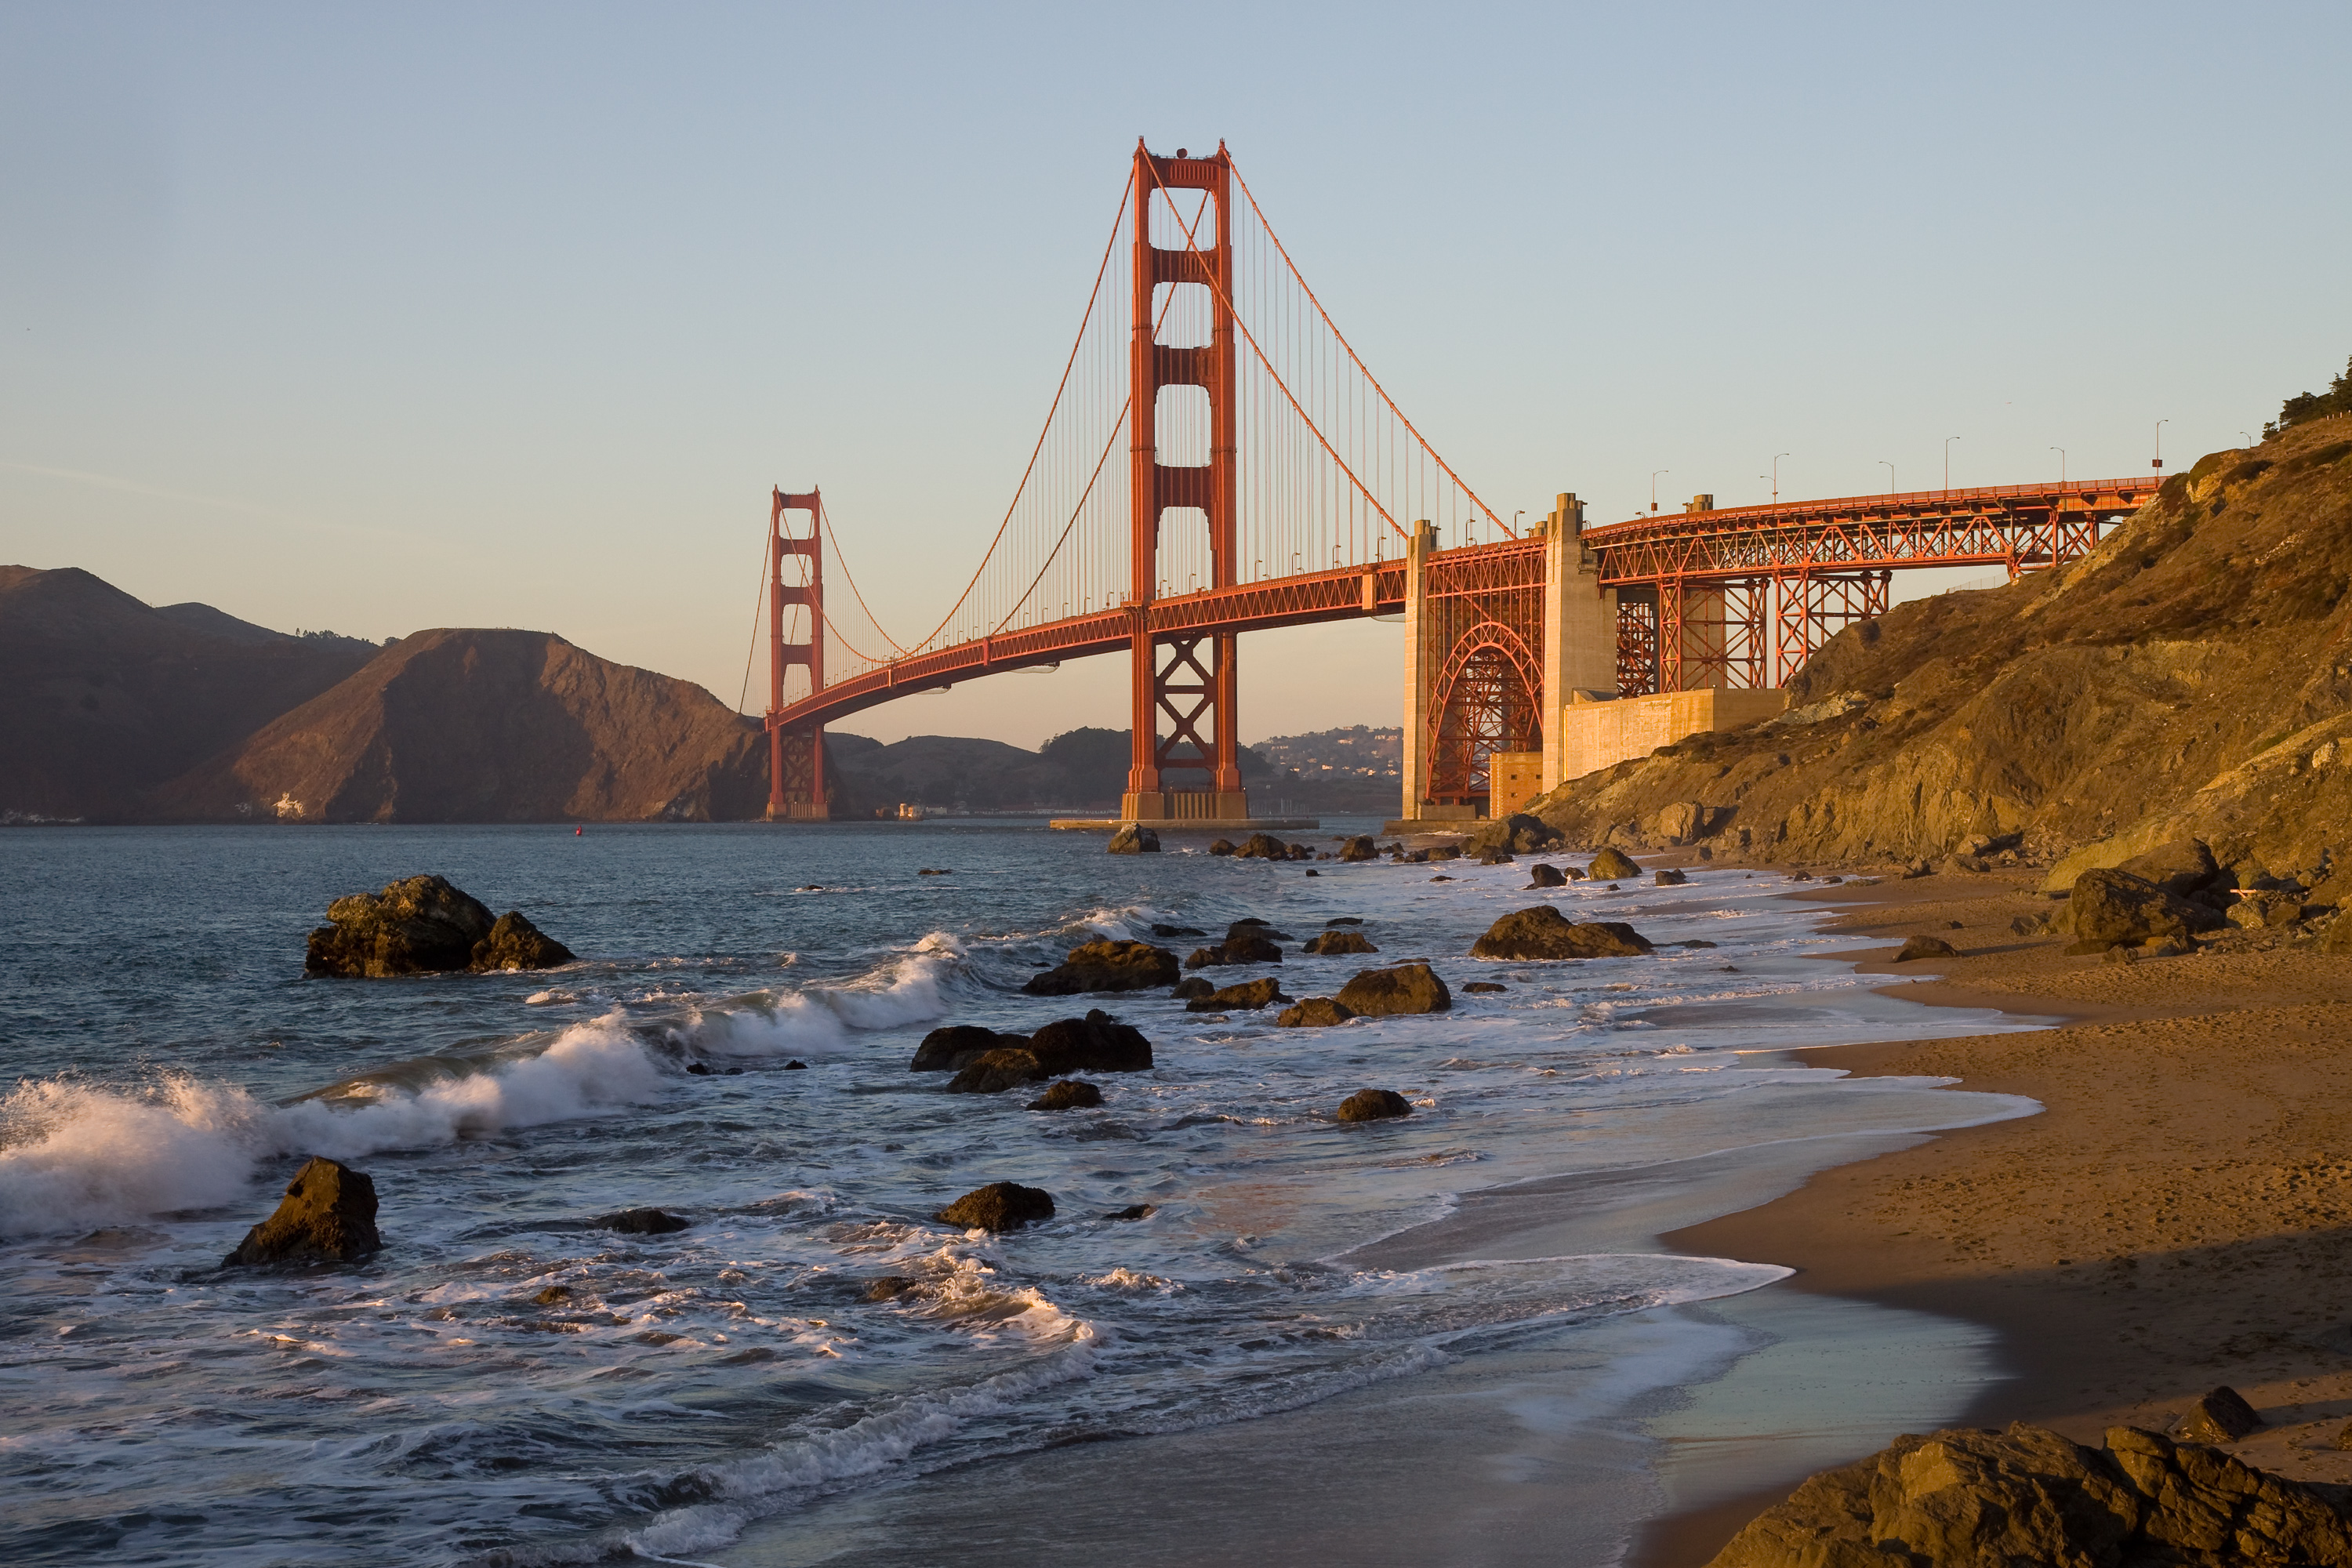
pixel 796 749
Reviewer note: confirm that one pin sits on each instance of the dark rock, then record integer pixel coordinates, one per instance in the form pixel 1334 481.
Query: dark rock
pixel 1302 852
pixel 1669 878
pixel 2106 907
pixel 1441 879
pixel 419 926
pixel 1263 847
pixel 1134 838
pixel 1247 942
pixel 642 1222
pixel 1926 947
pixel 1407 988
pixel 1828 881
pixel 1481 988
pixel 1374 1105
pixel 1134 1211
pixel 999 1206
pixel 1252 994
pixel 1692 941
pixel 1095 1043
pixel 2030 925
pixel 1107 966
pixel 993 1072
pixel 935 871
pixel 1359 848
pixel 1496 858
pixel 553 1295
pixel 955 1046
pixel 1070 1094
pixel 1611 865
pixel 1338 942
pixel 887 1287
pixel 328 1212
pixel 1543 932
pixel 1313 1013
pixel 1418 857
pixel 1192 985
pixel 1221 846
pixel 1518 832
pixel 699 1069
pixel 1972 1499
pixel 1313 872
pixel 1342 921
pixel 2181 867
pixel 1251 926
pixel 1445 852
pixel 1543 874
pixel 515 943
pixel 1914 870
pixel 2221 1416
pixel 1164 930
pixel 796 1065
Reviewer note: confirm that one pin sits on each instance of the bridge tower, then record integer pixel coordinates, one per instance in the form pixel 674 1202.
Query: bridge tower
pixel 1193 772
pixel 796 789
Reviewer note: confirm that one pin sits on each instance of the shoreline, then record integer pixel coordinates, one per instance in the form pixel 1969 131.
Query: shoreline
pixel 2173 1220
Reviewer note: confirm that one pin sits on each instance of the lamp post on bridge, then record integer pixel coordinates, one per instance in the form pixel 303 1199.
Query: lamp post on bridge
pixel 1890 475
pixel 1775 477
pixel 2159 443
pixel 1654 487
pixel 1947 460
pixel 2061 465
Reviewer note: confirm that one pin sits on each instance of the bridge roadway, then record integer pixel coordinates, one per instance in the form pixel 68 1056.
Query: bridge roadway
pixel 2020 527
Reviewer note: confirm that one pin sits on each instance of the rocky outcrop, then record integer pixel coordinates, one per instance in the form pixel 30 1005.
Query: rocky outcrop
pixel 1191 985
pixel 1134 838
pixel 1248 995
pixel 1919 947
pixel 642 1222
pixel 1095 1043
pixel 1670 877
pixel 327 1215
pixel 423 925
pixel 1407 988
pixel 1313 1012
pixel 1542 874
pixel 1482 987
pixel 1107 966
pixel 1543 932
pixel 1612 866
pixel 954 1046
pixel 1518 834
pixel 1070 1094
pixel 1972 1499
pixel 993 1072
pixel 1374 1105
pixel 2109 907
pixel 2184 867
pixel 1262 847
pixel 1247 942
pixel 1360 847
pixel 1221 846
pixel 999 1206
pixel 1343 940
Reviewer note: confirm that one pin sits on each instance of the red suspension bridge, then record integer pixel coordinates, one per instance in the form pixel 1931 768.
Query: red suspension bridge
pixel 1270 481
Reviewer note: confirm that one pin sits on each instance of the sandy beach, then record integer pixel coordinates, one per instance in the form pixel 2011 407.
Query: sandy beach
pixel 2179 1217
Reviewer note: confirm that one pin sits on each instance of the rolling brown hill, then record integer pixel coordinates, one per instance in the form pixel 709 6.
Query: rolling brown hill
pixel 487 726
pixel 102 698
pixel 2193 674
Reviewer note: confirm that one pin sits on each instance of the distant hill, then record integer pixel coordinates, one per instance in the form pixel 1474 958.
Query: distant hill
pixel 103 697
pixel 487 726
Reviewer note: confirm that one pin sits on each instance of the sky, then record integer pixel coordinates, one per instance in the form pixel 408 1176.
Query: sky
pixel 378 319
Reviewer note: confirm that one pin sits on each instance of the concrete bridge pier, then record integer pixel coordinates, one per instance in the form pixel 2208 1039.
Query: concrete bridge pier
pixel 1579 624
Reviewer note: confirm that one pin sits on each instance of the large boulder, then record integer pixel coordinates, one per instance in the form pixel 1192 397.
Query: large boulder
pixel 421 925
pixel 1669 878
pixel 1341 941
pixel 642 1222
pixel 1313 1013
pixel 1221 845
pixel 1518 833
pixel 1107 966
pixel 328 1213
pixel 1924 946
pixel 1407 988
pixel 1134 838
pixel 1374 1105
pixel 1612 864
pixel 514 943
pixel 1967 1498
pixel 999 1206
pixel 1543 932
pixel 993 1072
pixel 1543 874
pixel 1262 847
pixel 1250 994
pixel 2110 906
pixel 1359 848
pixel 1070 1094
pixel 1247 942
pixel 2183 867
pixel 954 1046
pixel 1095 1043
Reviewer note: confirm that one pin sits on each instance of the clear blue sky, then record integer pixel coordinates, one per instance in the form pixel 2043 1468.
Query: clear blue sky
pixel 384 318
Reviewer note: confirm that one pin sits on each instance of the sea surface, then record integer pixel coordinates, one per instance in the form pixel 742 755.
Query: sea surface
pixel 511 1383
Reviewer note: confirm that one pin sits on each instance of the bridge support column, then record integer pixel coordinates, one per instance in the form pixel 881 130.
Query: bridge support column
pixel 1420 672
pixel 796 791
pixel 1579 625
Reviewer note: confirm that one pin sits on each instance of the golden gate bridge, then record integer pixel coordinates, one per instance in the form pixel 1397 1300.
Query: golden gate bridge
pixel 1268 480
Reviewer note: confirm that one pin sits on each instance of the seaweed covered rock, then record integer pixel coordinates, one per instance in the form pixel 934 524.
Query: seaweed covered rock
pixel 1407 988
pixel 328 1213
pixel 1374 1105
pixel 954 1046
pixel 1095 1043
pixel 1612 865
pixel 999 1206
pixel 1107 966
pixel 1543 932
pixel 514 943
pixel 1341 940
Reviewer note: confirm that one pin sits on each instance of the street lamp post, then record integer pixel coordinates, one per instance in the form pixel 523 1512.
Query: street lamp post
pixel 1653 487
pixel 1515 518
pixel 1890 475
pixel 1775 477
pixel 1947 460
pixel 2159 443
pixel 2061 465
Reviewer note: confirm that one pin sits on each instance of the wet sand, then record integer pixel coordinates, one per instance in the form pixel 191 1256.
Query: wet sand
pixel 2179 1217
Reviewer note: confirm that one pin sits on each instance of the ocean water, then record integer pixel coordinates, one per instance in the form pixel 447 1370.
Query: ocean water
pixel 737 1391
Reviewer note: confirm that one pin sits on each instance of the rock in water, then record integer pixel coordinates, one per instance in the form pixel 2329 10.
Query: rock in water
pixel 1541 875
pixel 1250 994
pixel 1341 941
pixel 1107 966
pixel 1374 1105
pixel 2221 1416
pixel 329 1212
pixel 1359 848
pixel 1612 866
pixel 1095 1043
pixel 1263 847
pixel 1134 838
pixel 2109 906
pixel 999 1206
pixel 643 1222
pixel 418 926
pixel 515 943
pixel 955 1046
pixel 993 1072
pixel 1543 932
pixel 1191 985
pixel 1971 1498
pixel 1669 878
pixel 1313 1013
pixel 1926 947
pixel 1478 987
pixel 1070 1094
pixel 1221 846
pixel 1407 988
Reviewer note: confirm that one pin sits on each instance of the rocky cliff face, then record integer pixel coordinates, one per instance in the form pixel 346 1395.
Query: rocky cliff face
pixel 2193 675
pixel 487 726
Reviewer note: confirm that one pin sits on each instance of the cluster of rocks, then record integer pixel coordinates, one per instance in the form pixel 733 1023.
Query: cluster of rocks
pixel 985 1061
pixel 2155 904
pixel 1542 933
pixel 423 925
pixel 1263 847
pixel 1106 964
